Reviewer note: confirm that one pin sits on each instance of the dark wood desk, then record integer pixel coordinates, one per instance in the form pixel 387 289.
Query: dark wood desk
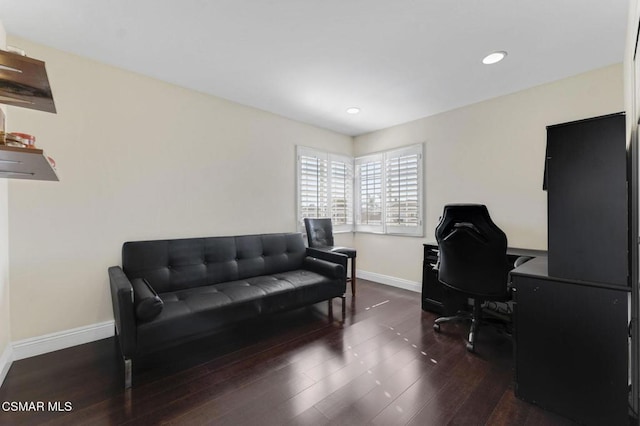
pixel 433 293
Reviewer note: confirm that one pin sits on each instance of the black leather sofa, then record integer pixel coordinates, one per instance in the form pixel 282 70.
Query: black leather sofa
pixel 168 291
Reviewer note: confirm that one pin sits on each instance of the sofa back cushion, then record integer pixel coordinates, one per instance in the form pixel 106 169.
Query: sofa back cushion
pixel 171 265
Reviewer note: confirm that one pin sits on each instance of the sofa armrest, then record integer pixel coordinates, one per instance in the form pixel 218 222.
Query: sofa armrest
pixel 123 310
pixel 340 259
pixel 326 268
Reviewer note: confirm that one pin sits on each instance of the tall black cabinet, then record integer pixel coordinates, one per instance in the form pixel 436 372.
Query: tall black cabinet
pixel 571 310
pixel 586 177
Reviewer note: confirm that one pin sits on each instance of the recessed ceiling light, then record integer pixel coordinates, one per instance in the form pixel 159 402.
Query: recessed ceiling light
pixel 353 110
pixel 494 57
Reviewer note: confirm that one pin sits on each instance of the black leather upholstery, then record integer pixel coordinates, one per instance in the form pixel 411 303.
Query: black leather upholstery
pixel 320 235
pixel 208 283
pixel 172 265
pixel 123 310
pixel 148 303
pixel 472 259
pixel 473 251
pixel 201 310
pixel 319 232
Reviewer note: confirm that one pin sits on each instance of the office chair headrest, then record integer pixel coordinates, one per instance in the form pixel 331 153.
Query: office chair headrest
pixel 467 228
pixel 472 217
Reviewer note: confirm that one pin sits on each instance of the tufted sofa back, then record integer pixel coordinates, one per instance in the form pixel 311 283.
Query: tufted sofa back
pixel 171 265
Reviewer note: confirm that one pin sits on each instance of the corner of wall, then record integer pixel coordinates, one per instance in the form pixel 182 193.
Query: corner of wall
pixel 6 352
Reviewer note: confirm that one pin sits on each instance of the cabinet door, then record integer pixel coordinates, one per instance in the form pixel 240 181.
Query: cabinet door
pixel 571 349
pixel 587 200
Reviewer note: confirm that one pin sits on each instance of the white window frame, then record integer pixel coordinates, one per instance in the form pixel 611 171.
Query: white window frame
pixel 328 210
pixel 384 158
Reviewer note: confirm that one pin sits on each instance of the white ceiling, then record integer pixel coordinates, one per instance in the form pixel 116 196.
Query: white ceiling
pixel 398 60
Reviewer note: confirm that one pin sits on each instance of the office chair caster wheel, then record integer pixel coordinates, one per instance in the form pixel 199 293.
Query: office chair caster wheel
pixel 470 347
pixel 436 327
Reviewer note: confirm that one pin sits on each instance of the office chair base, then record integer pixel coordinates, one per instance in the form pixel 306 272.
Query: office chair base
pixel 475 317
pixel 460 316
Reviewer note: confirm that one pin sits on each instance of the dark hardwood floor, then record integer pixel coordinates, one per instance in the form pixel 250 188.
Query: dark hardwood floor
pixel 385 365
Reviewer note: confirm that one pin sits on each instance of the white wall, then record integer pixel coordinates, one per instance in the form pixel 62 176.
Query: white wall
pixel 142 159
pixel 492 153
pixel 137 159
pixel 5 327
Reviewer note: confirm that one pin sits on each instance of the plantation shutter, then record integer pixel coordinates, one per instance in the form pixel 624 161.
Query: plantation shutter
pixel 369 193
pixel 341 194
pixel 325 188
pixel 402 191
pixel 313 185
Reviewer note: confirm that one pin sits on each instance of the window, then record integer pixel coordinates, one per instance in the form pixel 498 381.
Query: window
pixel 325 187
pixel 389 192
pixel 369 194
pixel 379 193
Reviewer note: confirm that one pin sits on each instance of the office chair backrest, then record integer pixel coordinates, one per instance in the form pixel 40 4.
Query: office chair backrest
pixel 319 232
pixel 473 251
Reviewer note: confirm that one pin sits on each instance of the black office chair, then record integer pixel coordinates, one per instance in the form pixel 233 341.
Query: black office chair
pixel 472 261
pixel 320 236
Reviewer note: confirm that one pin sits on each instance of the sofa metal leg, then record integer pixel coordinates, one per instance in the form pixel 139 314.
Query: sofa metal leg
pixel 128 365
pixel 344 308
pixel 330 308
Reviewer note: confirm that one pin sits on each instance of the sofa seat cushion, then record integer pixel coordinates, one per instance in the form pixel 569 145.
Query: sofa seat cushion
pixel 200 310
pixel 312 287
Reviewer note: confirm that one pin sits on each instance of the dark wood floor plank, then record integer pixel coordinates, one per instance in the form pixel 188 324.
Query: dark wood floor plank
pixel 390 382
pixel 447 400
pixel 509 411
pixel 363 409
pixel 311 417
pixel 338 402
pixel 411 401
pixel 383 365
pixel 258 396
pixel 353 373
pixel 216 382
pixel 481 402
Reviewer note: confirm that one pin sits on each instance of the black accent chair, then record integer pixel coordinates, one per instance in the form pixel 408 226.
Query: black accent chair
pixel 320 236
pixel 472 261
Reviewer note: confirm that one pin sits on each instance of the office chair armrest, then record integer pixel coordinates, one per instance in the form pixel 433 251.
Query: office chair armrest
pixel 520 260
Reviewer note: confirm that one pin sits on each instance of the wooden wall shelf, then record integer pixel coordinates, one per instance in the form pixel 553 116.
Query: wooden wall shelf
pixel 25 163
pixel 24 83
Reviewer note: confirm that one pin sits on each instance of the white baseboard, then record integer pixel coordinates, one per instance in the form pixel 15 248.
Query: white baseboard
pixel 5 362
pixel 387 280
pixel 64 339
